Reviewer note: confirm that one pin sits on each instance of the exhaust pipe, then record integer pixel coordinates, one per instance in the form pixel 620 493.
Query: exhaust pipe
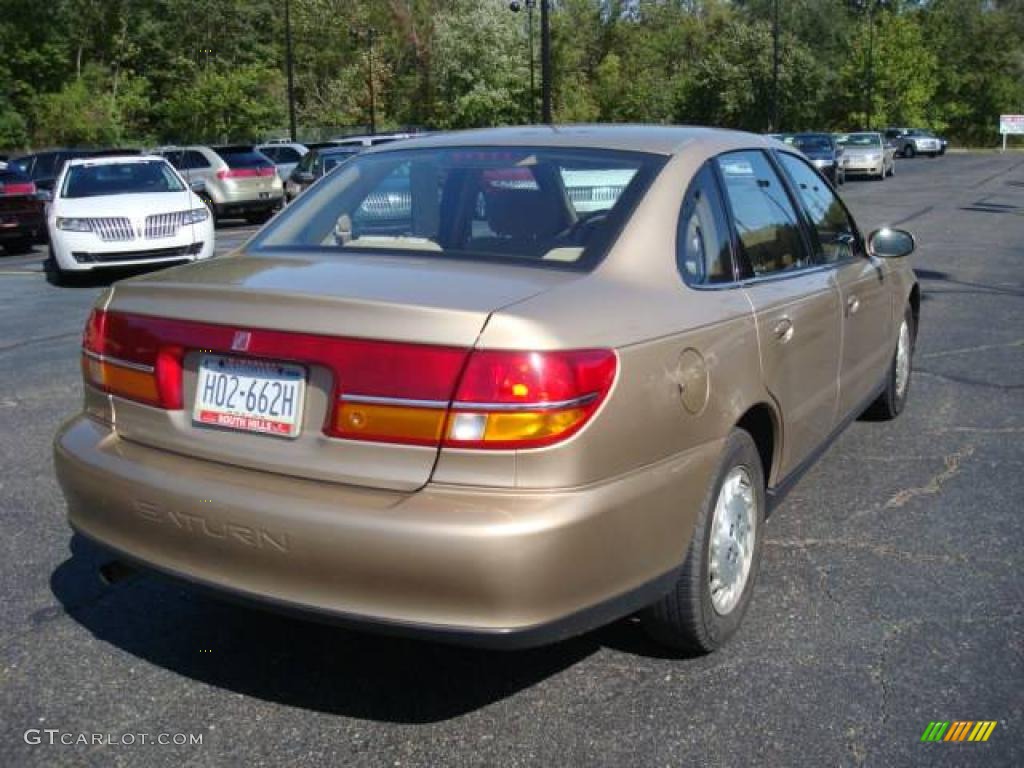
pixel 116 571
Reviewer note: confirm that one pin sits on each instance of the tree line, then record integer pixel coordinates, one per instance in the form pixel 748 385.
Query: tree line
pixel 110 72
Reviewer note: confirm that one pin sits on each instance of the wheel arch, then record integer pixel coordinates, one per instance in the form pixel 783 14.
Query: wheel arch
pixel 761 422
pixel 915 305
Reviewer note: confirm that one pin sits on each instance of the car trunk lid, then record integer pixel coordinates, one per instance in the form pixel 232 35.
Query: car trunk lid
pixel 300 311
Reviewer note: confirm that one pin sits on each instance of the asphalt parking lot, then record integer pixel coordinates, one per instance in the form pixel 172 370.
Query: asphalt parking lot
pixel 890 593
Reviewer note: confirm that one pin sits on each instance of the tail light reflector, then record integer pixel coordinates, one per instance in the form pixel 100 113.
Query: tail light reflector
pixel 246 173
pixel 17 188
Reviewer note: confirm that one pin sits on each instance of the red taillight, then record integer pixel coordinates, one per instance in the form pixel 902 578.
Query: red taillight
pixel 382 391
pixel 17 188
pixel 126 356
pixel 246 173
pixel 528 399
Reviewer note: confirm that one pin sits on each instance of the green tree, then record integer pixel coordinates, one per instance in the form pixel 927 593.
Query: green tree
pixel 225 105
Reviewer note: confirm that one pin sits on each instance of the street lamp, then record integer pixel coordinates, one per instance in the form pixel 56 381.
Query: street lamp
pixel 775 65
pixel 545 53
pixel 369 34
pixel 515 6
pixel 288 65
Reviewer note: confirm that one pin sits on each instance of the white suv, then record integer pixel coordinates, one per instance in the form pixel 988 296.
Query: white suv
pixel 124 210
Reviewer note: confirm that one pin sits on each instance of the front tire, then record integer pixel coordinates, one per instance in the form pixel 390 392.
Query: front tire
pixel 54 274
pixel 715 584
pixel 909 151
pixel 893 399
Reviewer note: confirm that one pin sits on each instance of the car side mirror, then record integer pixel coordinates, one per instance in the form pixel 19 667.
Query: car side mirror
pixel 888 243
pixel 303 177
pixel 197 185
pixel 45 195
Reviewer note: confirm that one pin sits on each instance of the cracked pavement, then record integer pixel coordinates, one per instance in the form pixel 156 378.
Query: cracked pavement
pixel 890 592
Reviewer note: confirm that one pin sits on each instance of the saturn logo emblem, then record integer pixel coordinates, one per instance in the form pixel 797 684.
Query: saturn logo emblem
pixel 241 341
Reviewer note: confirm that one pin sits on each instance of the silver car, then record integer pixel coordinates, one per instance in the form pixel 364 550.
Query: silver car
pixel 867 154
pixel 236 181
pixel 285 155
pixel 908 142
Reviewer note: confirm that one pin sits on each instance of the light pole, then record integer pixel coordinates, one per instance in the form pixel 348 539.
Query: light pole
pixel 545 61
pixel 357 36
pixel 775 65
pixel 289 67
pixel 871 66
pixel 515 6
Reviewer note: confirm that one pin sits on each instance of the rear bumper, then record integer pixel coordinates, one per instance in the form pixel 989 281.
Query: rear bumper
pixel 864 170
pixel 485 567
pixel 248 207
pixel 20 225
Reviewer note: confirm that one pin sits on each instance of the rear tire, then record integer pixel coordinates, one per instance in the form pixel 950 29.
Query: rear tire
pixel 893 399
pixel 715 584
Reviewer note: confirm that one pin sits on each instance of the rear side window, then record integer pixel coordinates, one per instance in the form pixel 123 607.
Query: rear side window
pixel 284 155
pixel 836 234
pixel 174 157
pixel 702 237
pixel 238 157
pixel 45 166
pixel 193 159
pixel 766 224
pixel 270 152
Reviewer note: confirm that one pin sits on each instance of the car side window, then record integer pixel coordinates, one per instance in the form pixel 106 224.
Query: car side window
pixel 270 152
pixel 195 159
pixel 45 165
pixel 836 233
pixel 174 158
pixel 703 250
pixel 766 224
pixel 285 155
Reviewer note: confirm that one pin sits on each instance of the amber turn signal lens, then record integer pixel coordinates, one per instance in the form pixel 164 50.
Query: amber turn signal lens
pixel 125 382
pixel 389 422
pixel 534 425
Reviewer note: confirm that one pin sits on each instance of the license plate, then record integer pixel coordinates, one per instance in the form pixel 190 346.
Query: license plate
pixel 250 395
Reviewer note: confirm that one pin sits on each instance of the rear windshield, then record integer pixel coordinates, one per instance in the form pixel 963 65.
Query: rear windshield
pixel 120 179
pixel 12 176
pixel 548 206
pixel 243 157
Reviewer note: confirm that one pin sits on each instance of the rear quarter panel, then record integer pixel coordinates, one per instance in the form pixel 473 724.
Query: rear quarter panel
pixel 689 365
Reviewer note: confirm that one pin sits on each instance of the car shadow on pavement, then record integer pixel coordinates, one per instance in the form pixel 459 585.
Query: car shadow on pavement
pixel 100 278
pixel 304 664
pixel 967 285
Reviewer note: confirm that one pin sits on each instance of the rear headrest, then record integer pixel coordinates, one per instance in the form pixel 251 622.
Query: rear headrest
pixel 523 213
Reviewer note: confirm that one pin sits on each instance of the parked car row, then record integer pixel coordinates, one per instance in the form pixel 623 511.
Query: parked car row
pixel 863 153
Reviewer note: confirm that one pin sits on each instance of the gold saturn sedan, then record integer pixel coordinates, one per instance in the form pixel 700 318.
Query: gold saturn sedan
pixel 498 387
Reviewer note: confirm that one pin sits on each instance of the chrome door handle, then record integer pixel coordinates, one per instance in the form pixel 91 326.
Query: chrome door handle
pixel 783 330
pixel 852 305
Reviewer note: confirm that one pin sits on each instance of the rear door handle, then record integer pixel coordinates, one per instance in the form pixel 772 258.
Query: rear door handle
pixel 783 330
pixel 852 305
